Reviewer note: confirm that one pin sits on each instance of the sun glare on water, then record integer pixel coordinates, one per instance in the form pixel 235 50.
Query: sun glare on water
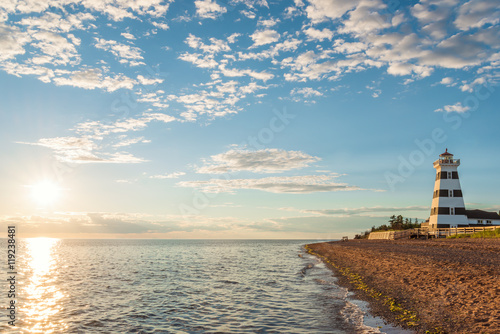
pixel 45 193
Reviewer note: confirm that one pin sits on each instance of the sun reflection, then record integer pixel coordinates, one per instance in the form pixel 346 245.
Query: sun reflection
pixel 42 293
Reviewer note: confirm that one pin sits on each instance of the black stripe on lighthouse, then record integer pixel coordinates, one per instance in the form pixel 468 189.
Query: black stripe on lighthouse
pixel 444 175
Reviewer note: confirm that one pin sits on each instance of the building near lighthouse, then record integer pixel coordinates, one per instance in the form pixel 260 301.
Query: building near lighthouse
pixel 448 207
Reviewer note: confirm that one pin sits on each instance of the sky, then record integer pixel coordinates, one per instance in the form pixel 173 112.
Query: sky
pixel 307 119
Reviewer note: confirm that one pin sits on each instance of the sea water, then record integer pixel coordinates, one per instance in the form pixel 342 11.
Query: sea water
pixel 178 286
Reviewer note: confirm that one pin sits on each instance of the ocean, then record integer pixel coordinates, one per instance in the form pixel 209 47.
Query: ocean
pixel 178 286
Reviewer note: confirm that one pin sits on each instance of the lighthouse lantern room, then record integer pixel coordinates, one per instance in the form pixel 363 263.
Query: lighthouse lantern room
pixel 448 208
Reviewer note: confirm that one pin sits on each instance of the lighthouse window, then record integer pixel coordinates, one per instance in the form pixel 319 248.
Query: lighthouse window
pixel 479 221
pixel 451 193
pixel 488 222
pixel 452 211
pixel 457 193
pixel 449 175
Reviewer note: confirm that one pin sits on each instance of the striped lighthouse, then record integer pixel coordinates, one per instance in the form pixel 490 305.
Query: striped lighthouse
pixel 448 208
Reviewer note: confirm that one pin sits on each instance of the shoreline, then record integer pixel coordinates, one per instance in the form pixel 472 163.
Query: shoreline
pixel 439 286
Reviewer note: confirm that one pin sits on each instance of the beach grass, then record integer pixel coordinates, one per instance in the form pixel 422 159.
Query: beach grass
pixel 483 234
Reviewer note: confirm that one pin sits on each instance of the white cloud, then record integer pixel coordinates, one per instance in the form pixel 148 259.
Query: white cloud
pixel 215 46
pixel 160 25
pixel 56 49
pixel 123 141
pixel 97 129
pixel 365 19
pixel 407 69
pixel 54 22
pixel 118 49
pixel 457 107
pixel 174 175
pixel 93 78
pixel 232 38
pixel 12 41
pixel 366 210
pixel 148 81
pixel 315 34
pixel 306 92
pixel 262 37
pixel 209 9
pixel 251 15
pixel 283 184
pixel 475 14
pixel 260 161
pixel 264 76
pixel 81 150
pixel 341 46
pixel 446 81
pixel 128 35
pixel 268 23
pixel 200 60
pixel 321 10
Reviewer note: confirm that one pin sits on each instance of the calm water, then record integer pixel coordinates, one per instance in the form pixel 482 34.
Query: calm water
pixel 179 286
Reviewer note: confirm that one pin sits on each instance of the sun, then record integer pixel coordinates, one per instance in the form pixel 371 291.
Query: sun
pixel 45 193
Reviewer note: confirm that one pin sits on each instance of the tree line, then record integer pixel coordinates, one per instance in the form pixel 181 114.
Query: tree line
pixel 396 223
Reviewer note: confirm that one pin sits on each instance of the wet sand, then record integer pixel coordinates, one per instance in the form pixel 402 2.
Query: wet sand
pixel 440 286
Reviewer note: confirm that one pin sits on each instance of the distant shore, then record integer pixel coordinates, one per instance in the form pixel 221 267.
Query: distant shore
pixel 440 286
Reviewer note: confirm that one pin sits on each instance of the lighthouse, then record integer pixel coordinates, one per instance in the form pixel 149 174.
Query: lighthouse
pixel 448 208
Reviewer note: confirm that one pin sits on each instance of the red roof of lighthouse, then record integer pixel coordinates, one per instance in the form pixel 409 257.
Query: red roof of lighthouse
pixel 445 153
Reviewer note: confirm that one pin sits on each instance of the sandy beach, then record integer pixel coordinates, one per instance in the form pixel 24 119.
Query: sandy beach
pixel 439 286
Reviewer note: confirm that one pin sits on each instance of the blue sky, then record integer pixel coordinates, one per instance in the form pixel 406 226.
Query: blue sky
pixel 242 119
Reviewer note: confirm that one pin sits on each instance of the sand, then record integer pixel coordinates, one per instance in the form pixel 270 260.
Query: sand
pixel 440 286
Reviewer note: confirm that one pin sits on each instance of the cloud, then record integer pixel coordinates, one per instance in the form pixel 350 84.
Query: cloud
pixel 92 78
pixel 174 175
pixel 127 35
pixel 96 142
pixel 56 23
pixel 264 76
pixel 322 10
pixel 306 92
pixel 215 46
pixel 56 49
pixel 476 14
pixel 209 9
pixel 160 25
pixel 249 14
pixel 82 150
pixel 446 81
pixel 123 141
pixel 457 107
pixel 262 37
pixel 268 23
pixel 148 81
pixel 120 50
pixel 98 129
pixel 200 60
pixel 12 41
pixel 366 19
pixel 319 35
pixel 260 161
pixel 283 184
pixel 366 210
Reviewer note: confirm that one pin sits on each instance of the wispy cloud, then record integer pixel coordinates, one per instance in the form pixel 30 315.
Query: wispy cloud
pixel 367 210
pixel 209 9
pixel 262 37
pixel 457 107
pixel 174 175
pixel 283 184
pixel 259 161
